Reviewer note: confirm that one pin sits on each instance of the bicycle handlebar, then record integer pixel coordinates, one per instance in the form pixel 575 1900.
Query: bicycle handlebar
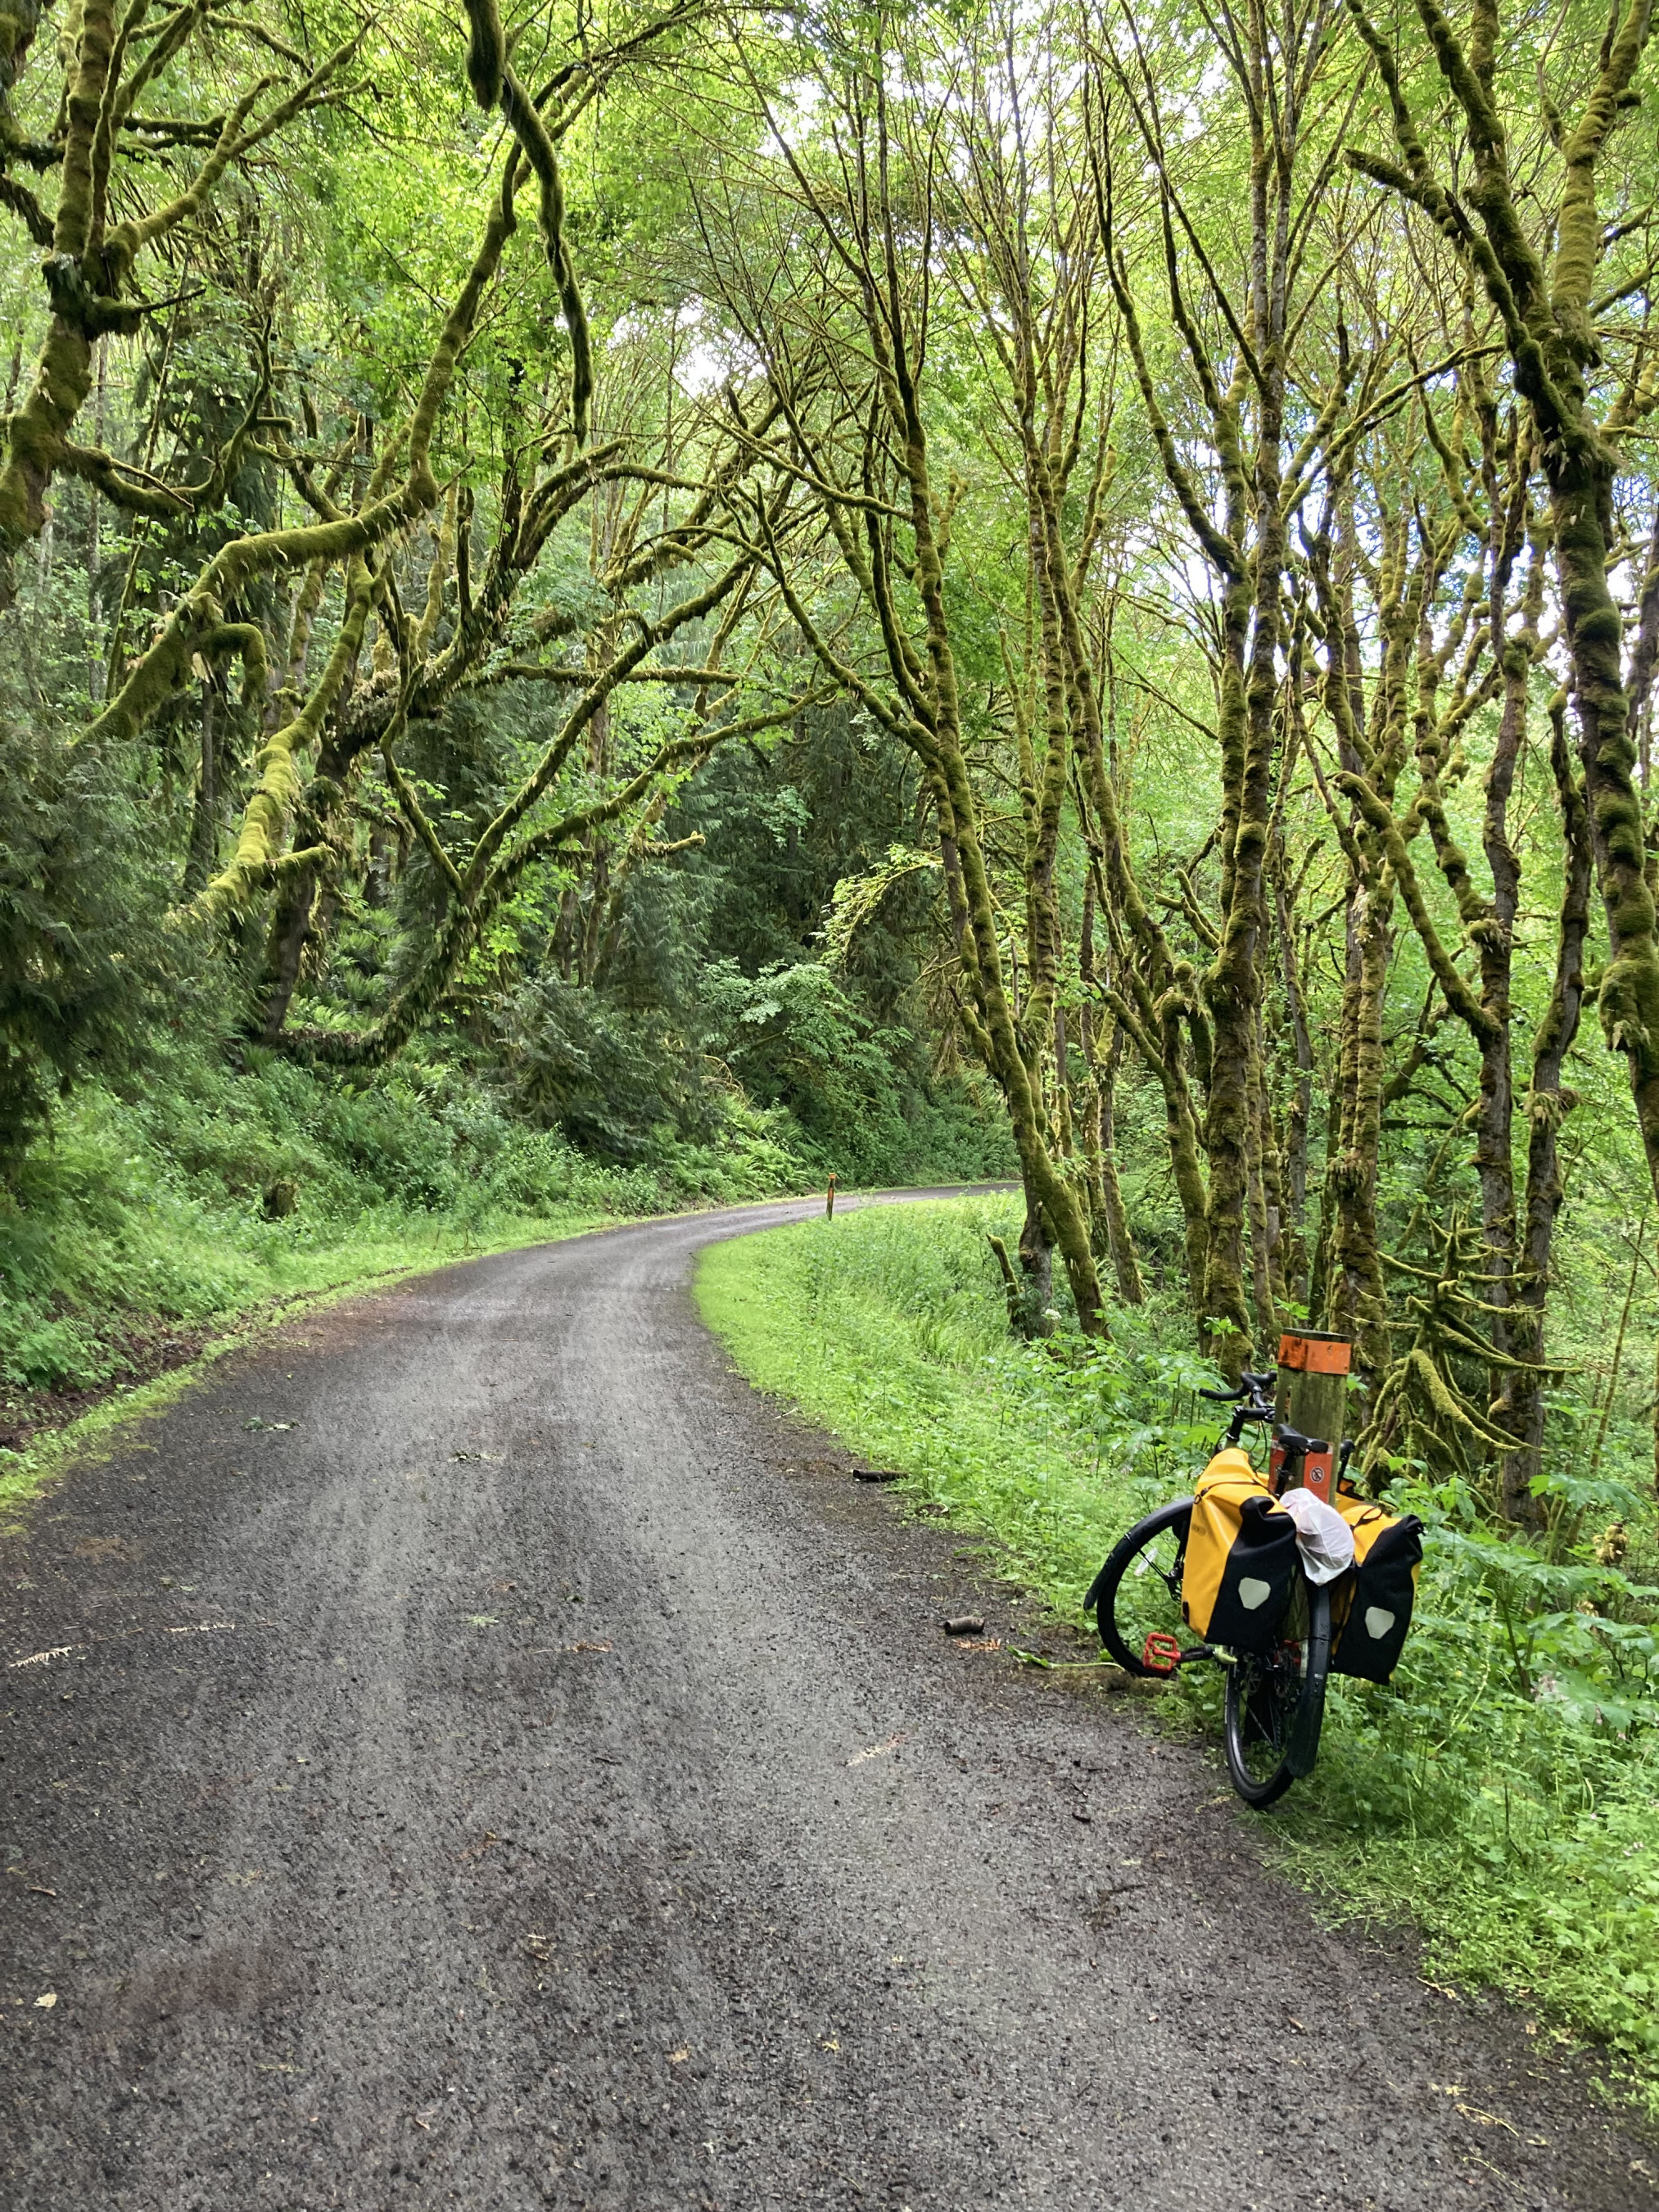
pixel 1249 1402
pixel 1250 1385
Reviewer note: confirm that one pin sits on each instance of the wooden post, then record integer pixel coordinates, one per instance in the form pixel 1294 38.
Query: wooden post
pixel 830 1202
pixel 1312 1397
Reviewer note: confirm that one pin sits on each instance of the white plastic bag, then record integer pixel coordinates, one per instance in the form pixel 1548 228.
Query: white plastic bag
pixel 1323 1536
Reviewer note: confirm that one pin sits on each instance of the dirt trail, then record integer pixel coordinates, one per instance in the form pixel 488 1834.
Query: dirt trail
pixel 482 1755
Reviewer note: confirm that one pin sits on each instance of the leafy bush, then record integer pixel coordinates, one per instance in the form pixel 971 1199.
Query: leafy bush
pixel 611 1078
pixel 795 1037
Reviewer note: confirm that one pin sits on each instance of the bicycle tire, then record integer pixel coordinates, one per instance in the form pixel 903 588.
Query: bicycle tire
pixel 1275 1700
pixel 1123 1624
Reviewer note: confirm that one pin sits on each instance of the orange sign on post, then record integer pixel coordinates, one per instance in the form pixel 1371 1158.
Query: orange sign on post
pixel 1316 1472
pixel 1315 1354
pixel 1311 1402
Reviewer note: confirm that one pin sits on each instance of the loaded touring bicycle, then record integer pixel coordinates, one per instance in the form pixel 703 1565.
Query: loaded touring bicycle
pixel 1280 1577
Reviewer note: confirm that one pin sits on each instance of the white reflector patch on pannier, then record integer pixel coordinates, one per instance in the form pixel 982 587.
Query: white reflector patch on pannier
pixel 1253 1592
pixel 1377 1622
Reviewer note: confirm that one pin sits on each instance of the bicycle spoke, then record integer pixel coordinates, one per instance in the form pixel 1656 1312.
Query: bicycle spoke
pixel 1149 1596
pixel 1137 1594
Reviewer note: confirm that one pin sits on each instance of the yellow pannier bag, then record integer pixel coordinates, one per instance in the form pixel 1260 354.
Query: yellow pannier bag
pixel 1241 1557
pixel 1371 1608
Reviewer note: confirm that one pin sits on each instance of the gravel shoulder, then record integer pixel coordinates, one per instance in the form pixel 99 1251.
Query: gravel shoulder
pixel 474 1751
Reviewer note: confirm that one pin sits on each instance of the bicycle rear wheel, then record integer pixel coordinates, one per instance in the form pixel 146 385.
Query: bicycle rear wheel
pixel 1276 1699
pixel 1137 1594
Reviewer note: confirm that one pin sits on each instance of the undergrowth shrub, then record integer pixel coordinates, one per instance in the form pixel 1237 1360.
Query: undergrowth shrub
pixel 87 972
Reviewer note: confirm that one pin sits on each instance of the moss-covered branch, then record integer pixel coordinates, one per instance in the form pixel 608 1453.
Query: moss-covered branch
pixel 277 795
pixel 495 84
pixel 479 898
pixel 88 273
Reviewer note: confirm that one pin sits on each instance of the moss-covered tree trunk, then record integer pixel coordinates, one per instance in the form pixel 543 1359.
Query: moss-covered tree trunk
pixel 1299 1117
pixel 1521 1406
pixel 202 857
pixel 1371 740
pixel 1539 277
pixel 924 707
pixel 1100 1117
pixel 1234 502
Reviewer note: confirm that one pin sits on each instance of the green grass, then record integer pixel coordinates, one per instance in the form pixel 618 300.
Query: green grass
pixel 1503 1793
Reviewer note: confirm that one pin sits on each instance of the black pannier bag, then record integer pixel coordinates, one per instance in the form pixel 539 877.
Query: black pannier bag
pixel 1372 1608
pixel 1241 1558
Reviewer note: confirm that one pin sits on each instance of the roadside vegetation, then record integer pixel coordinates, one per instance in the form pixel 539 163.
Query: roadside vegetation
pixel 1503 1793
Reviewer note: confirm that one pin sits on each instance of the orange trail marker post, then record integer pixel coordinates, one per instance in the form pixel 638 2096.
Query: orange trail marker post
pixel 1312 1396
pixel 830 1201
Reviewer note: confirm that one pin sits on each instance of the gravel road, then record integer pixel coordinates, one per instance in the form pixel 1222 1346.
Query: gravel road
pixel 473 1752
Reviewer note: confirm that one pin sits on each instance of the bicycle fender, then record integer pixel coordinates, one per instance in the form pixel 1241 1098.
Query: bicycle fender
pixel 1302 1749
